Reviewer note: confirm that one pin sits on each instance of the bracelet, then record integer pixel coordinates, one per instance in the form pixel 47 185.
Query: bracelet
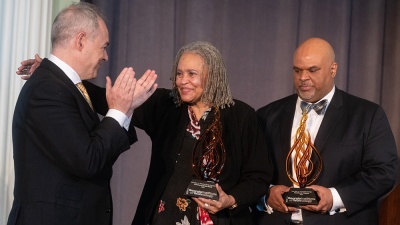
pixel 233 206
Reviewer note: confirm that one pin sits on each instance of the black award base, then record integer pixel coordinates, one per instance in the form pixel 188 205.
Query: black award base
pixel 301 196
pixel 202 189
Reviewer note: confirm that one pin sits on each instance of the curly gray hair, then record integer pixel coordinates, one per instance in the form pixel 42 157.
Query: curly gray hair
pixel 216 90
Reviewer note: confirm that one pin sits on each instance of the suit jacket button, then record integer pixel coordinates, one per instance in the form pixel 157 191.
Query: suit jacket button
pixel 108 210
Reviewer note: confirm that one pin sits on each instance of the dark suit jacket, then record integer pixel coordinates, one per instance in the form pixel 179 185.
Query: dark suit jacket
pixel 358 152
pixel 63 154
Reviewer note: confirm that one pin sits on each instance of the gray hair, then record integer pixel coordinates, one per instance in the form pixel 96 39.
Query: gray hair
pixel 216 90
pixel 78 17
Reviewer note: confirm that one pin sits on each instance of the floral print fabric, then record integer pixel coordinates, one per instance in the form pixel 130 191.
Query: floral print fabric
pixel 174 207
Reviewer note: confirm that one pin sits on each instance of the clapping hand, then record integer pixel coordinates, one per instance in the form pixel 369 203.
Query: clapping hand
pixel 120 95
pixel 127 93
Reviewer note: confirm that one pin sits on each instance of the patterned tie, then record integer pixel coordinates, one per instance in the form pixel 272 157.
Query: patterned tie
pixel 318 107
pixel 82 88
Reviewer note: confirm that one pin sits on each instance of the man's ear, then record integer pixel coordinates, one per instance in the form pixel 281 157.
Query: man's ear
pixel 333 69
pixel 80 40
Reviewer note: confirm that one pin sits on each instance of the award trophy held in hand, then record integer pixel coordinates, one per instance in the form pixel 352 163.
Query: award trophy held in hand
pixel 208 160
pixel 303 166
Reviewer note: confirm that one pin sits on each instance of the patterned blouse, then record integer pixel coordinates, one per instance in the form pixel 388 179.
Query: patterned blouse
pixel 174 207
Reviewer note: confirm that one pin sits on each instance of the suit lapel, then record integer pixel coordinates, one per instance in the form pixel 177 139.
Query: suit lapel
pixel 75 91
pixel 331 118
pixel 286 123
pixel 284 129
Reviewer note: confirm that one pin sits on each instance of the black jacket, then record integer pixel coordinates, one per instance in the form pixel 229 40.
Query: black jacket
pixel 358 152
pixel 63 154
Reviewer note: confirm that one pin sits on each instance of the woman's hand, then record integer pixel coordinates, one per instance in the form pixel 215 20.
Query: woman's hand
pixel 28 66
pixel 213 206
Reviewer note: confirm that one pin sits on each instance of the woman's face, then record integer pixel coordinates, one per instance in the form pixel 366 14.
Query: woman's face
pixel 191 77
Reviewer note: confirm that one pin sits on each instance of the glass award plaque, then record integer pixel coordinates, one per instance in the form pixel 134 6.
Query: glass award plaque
pixel 303 166
pixel 208 160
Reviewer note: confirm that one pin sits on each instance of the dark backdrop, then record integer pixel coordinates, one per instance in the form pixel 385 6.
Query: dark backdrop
pixel 257 39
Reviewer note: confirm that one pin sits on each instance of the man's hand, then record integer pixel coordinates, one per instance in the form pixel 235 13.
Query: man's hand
pixel 28 67
pixel 144 88
pixel 212 206
pixel 325 203
pixel 276 201
pixel 121 95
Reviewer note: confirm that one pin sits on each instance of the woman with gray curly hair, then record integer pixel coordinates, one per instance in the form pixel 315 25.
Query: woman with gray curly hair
pixel 199 131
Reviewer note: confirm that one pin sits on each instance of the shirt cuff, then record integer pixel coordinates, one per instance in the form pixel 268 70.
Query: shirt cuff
pixel 263 206
pixel 337 204
pixel 119 116
pixel 127 122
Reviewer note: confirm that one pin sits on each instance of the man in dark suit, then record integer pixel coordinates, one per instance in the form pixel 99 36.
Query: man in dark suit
pixel 63 153
pixel 352 135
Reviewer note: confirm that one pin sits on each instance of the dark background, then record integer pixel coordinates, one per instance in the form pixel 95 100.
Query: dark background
pixel 257 39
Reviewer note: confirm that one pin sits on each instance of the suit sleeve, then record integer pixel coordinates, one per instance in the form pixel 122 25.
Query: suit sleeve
pixel 150 115
pixel 378 169
pixel 257 170
pixel 68 136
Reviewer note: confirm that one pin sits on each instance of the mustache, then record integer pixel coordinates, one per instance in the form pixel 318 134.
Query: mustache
pixel 304 84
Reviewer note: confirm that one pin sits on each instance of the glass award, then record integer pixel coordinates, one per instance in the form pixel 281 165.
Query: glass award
pixel 207 162
pixel 303 166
